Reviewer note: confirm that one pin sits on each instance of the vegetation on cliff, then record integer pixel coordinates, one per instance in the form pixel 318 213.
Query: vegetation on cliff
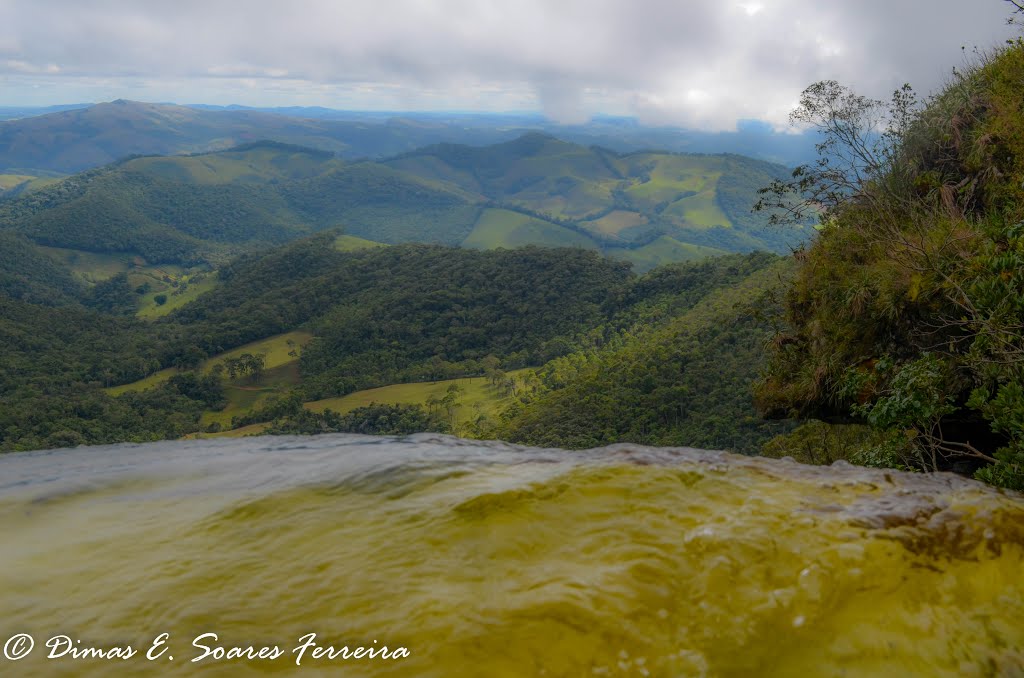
pixel 907 312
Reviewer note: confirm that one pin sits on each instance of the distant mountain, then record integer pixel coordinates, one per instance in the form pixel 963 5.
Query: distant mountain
pixel 73 138
pixel 625 134
pixel 13 112
pixel 648 208
pixel 76 140
pixel 752 138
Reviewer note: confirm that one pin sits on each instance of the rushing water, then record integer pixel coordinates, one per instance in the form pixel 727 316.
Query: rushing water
pixel 484 559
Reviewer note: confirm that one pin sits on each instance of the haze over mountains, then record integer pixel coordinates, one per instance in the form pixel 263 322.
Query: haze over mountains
pixel 68 141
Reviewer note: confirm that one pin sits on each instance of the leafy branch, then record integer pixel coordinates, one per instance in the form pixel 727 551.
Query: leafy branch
pixel 859 147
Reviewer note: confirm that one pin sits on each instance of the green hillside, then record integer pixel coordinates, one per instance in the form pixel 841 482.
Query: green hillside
pixel 88 371
pixel 504 228
pixel 634 375
pixel 697 199
pixel 31 274
pixel 209 207
pixel 256 163
pixel 206 208
pixel 380 204
pixel 685 380
pixel 663 250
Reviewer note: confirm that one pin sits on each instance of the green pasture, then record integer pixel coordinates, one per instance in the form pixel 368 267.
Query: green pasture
pixel 277 353
pixel 351 243
pixel 664 250
pixel 504 228
pixel 616 221
pixel 478 397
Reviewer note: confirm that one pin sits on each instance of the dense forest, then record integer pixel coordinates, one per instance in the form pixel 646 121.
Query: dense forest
pixel 406 313
pixel 678 372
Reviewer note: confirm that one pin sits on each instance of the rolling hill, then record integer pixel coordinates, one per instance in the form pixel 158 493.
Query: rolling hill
pixel 75 140
pixel 622 201
pixel 647 208
pixel 208 207
pixel 331 325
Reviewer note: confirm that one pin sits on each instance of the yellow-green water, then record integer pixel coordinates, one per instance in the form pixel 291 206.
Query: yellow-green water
pixel 488 560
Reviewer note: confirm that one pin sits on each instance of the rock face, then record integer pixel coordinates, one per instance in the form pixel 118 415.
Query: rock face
pixel 486 559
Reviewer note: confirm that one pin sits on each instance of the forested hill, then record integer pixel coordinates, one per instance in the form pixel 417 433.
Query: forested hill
pixel 680 374
pixel 91 136
pixel 305 322
pixel 616 198
pixel 646 208
pixel 205 208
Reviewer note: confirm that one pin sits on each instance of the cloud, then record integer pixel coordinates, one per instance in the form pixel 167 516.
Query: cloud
pixel 704 64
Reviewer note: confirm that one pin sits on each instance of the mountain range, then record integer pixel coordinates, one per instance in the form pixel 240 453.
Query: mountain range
pixel 74 138
pixel 647 207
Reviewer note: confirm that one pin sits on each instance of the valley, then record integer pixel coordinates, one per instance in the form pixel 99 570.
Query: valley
pixel 533 290
pixel 200 211
pixel 559 339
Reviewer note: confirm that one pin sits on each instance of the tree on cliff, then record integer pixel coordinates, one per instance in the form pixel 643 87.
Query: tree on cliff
pixel 907 312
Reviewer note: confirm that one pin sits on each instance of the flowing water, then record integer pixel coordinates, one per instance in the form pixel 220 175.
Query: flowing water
pixel 484 559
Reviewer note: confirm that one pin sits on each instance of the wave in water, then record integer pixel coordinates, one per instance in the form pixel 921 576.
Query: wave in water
pixel 484 559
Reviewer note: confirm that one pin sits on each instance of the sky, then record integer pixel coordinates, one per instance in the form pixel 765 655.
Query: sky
pixel 701 64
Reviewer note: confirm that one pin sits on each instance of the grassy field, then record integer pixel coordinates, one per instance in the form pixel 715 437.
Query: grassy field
pixel 658 190
pixel 20 184
pixel 250 430
pixel 614 222
pixel 243 396
pixel 699 210
pixel 351 243
pixel 9 181
pixel 256 165
pixel 180 285
pixel 190 286
pixel 478 397
pixel 504 228
pixel 686 183
pixel 277 353
pixel 566 196
pixel 664 250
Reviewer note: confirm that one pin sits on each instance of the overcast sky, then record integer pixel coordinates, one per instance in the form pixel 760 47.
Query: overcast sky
pixel 695 63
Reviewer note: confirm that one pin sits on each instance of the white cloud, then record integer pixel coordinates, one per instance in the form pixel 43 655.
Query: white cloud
pixel 702 63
